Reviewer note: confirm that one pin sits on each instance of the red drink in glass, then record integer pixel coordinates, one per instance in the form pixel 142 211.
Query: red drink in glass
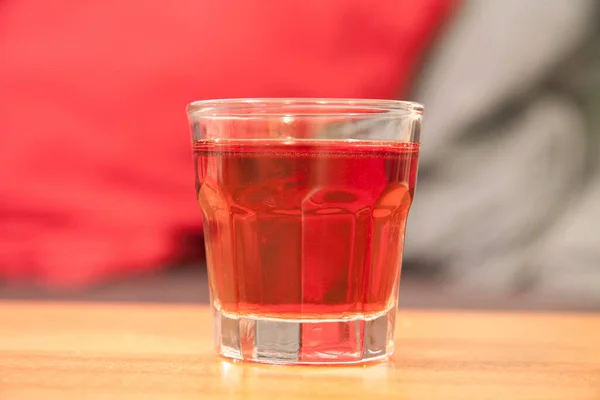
pixel 304 242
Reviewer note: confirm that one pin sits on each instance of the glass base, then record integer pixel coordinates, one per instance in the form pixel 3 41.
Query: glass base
pixel 356 339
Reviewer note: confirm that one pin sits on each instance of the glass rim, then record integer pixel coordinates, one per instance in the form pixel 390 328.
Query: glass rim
pixel 368 108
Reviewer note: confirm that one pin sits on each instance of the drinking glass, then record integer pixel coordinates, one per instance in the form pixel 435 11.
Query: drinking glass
pixel 304 204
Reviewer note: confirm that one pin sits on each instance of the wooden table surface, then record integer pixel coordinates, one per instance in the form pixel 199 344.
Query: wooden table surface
pixel 116 351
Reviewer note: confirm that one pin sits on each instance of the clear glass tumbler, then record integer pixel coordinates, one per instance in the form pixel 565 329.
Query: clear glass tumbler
pixel 304 204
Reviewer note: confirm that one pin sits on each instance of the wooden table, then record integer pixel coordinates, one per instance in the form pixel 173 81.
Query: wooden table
pixel 115 351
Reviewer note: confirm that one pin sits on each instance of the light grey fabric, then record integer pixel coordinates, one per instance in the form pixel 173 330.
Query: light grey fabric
pixel 568 257
pixel 503 201
pixel 493 53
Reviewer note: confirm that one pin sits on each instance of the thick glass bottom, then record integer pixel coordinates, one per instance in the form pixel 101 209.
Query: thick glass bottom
pixel 355 339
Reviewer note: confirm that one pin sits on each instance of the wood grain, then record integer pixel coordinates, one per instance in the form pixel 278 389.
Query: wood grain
pixel 115 351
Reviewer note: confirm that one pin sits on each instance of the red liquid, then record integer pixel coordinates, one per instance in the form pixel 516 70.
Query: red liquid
pixel 304 229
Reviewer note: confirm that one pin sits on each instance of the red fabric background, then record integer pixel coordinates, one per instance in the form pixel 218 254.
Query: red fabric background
pixel 95 167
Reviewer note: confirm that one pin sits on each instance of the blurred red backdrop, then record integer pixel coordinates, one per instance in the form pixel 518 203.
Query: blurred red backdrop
pixel 96 177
